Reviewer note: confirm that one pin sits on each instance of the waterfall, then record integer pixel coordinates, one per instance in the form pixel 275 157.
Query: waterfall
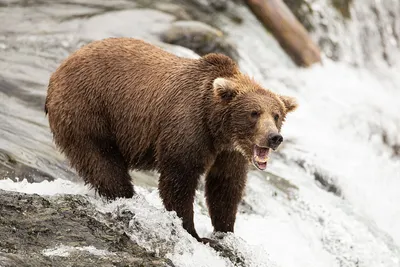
pixel 363 33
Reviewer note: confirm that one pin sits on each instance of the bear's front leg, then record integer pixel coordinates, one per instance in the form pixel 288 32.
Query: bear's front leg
pixel 177 190
pixel 225 183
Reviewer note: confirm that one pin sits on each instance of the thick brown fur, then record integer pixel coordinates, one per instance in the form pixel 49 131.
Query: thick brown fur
pixel 121 103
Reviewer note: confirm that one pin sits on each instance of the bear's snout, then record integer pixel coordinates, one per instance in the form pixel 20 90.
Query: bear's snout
pixel 274 140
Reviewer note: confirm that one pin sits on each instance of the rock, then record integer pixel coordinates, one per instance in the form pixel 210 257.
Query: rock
pixel 305 13
pixel 64 231
pixel 19 91
pixel 226 251
pixel 393 145
pixel 302 11
pixel 343 6
pixel 322 179
pixel 12 168
pixel 207 11
pixel 315 21
pixel 209 5
pixel 177 11
pixel 282 184
pixel 199 37
pixel 219 5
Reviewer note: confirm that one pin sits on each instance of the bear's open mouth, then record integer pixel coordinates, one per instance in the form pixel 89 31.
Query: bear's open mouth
pixel 260 157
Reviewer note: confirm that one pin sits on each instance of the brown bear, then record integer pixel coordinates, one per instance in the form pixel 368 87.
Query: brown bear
pixel 121 103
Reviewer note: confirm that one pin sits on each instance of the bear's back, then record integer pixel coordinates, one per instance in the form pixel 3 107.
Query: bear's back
pixel 114 73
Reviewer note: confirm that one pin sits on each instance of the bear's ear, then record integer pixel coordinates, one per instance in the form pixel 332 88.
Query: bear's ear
pixel 289 102
pixel 224 89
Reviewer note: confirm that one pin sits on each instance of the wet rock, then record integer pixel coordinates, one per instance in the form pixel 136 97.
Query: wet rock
pixel 199 37
pixel 327 183
pixel 343 6
pixel 207 11
pixel 176 10
pixel 313 21
pixel 64 231
pixel 278 187
pixel 331 47
pixel 210 5
pixel 245 207
pixel 219 5
pixel 391 144
pixel 236 250
pixel 303 12
pixel 324 180
pixel 282 185
pixel 12 168
pixel 13 90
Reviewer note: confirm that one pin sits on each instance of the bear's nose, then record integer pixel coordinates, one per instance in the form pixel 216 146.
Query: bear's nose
pixel 274 140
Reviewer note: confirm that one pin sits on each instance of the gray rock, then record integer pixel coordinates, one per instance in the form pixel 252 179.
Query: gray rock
pixel 64 231
pixel 199 37
pixel 12 168
pixel 343 6
pixel 303 12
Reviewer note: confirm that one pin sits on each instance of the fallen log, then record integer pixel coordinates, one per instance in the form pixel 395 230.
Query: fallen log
pixel 288 31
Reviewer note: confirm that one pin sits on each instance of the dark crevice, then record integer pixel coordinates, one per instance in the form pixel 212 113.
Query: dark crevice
pixel 325 181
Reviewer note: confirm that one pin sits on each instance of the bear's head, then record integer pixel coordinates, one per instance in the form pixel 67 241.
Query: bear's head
pixel 249 116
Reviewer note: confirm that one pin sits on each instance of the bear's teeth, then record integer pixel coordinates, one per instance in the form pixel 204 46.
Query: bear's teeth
pixel 262 160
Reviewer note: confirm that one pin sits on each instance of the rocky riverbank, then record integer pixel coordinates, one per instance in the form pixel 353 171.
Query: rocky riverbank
pixel 62 231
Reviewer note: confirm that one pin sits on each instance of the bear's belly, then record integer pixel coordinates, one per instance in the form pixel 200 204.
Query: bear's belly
pixel 145 161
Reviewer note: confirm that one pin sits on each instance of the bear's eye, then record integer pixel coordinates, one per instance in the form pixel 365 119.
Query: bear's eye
pixel 255 114
pixel 227 96
pixel 276 117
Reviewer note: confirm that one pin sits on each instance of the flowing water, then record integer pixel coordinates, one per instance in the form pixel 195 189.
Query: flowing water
pixel 337 203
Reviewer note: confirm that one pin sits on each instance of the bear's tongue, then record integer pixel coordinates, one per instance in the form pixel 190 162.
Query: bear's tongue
pixel 260 157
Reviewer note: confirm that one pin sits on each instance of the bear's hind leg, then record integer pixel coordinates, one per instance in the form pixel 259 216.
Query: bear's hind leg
pixel 225 183
pixel 102 166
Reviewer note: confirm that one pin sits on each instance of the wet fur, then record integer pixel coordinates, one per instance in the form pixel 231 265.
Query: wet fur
pixel 121 103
